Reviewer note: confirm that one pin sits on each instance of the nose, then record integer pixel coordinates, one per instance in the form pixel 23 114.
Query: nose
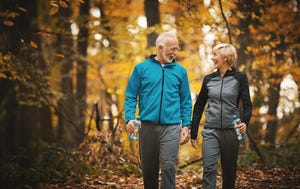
pixel 175 51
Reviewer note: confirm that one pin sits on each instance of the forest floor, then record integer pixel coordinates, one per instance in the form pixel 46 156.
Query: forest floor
pixel 119 172
pixel 248 178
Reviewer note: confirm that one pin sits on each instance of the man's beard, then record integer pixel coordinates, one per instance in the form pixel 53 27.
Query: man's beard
pixel 169 58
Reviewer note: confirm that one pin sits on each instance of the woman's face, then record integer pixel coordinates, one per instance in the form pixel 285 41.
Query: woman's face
pixel 217 59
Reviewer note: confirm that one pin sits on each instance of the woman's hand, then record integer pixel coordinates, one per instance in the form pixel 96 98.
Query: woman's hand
pixel 194 142
pixel 242 128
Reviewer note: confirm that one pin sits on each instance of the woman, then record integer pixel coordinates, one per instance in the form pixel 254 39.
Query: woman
pixel 222 90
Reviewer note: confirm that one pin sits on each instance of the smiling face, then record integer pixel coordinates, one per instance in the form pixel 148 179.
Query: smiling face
pixel 167 47
pixel 218 59
pixel 224 56
pixel 169 51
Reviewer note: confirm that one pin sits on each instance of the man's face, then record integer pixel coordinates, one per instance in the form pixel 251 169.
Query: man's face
pixel 170 50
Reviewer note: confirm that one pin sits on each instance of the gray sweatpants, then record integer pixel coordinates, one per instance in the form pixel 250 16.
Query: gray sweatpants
pixel 216 143
pixel 159 146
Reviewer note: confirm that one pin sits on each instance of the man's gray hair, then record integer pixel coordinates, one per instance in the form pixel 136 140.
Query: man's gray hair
pixel 163 37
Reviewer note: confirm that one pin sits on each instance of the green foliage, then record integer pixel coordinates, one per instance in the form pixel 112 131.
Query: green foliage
pixel 287 155
pixel 50 163
pixel 55 159
pixel 45 163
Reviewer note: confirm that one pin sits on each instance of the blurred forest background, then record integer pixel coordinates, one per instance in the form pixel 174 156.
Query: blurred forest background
pixel 64 66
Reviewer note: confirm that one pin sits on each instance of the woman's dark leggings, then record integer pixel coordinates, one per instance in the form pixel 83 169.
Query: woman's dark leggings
pixel 219 143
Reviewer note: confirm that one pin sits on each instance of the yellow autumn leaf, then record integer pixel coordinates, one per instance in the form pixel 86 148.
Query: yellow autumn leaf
pixel 22 9
pixel 33 44
pixel 3 76
pixel 110 90
pixel 8 23
pixel 81 1
pixel 60 55
pixel 63 4
pixel 119 91
pixel 54 3
pixel 7 57
pixel 53 10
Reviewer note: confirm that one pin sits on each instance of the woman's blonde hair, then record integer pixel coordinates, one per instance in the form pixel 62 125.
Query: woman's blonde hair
pixel 227 51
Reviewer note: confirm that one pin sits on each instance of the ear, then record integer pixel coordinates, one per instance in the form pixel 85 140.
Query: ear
pixel 159 48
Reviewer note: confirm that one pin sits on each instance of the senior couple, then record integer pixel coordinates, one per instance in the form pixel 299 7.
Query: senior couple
pixel 159 87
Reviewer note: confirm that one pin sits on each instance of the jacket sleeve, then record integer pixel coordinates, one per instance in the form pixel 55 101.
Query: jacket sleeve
pixel 246 100
pixel 132 92
pixel 198 109
pixel 185 101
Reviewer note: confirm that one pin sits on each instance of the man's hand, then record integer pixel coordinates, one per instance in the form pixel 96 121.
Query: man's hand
pixel 194 142
pixel 185 135
pixel 130 127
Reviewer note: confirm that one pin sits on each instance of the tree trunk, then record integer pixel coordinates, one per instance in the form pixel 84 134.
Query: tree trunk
pixel 45 124
pixel 8 109
pixel 82 66
pixel 26 117
pixel 34 120
pixel 68 131
pixel 244 60
pixel 8 94
pixel 151 8
pixel 273 93
pixel 244 39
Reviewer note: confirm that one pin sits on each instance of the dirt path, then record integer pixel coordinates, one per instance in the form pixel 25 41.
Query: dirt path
pixel 250 178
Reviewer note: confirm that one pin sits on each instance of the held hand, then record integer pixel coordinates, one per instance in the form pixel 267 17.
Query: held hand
pixel 194 142
pixel 130 127
pixel 242 127
pixel 184 137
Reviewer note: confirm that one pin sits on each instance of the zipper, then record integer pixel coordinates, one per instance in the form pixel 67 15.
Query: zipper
pixel 162 92
pixel 221 99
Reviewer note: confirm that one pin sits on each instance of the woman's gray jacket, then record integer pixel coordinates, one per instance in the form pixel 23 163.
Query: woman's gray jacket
pixel 223 96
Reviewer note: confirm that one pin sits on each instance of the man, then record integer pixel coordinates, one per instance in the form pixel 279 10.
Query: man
pixel 160 87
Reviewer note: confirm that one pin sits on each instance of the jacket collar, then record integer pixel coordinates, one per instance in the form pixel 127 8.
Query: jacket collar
pixel 228 72
pixel 152 57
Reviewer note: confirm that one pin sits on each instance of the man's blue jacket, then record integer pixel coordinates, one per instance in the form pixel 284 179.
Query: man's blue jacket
pixel 161 93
